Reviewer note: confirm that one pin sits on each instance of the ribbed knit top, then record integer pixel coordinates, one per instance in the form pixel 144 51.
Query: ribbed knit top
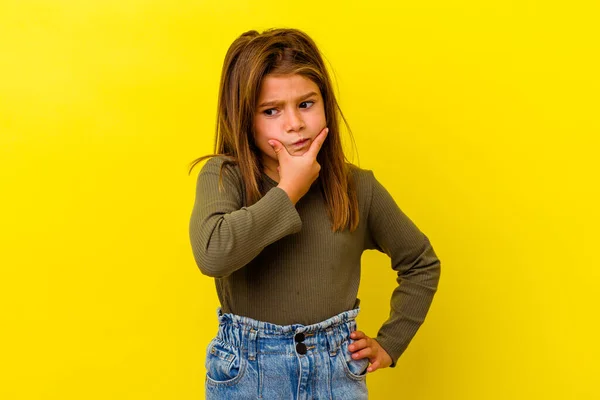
pixel 282 263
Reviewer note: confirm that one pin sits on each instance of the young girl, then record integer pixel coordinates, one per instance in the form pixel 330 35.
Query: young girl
pixel 281 220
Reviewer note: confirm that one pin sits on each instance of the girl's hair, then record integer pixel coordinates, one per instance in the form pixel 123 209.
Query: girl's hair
pixel 282 52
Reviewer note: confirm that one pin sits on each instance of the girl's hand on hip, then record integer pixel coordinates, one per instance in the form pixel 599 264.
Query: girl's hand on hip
pixel 366 347
pixel 297 173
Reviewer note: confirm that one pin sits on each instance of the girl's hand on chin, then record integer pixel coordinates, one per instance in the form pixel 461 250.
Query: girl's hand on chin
pixel 297 173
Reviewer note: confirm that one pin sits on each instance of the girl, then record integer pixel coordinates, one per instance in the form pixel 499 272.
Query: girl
pixel 281 220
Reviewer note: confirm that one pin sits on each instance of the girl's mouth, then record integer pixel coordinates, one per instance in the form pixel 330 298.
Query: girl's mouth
pixel 300 143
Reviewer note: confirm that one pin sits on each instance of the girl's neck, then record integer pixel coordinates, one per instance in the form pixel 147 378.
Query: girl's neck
pixel 272 172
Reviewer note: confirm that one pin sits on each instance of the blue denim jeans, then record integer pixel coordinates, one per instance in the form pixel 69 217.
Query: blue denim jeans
pixel 250 359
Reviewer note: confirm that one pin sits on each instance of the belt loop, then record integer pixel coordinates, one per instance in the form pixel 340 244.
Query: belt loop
pixel 332 344
pixel 352 325
pixel 252 339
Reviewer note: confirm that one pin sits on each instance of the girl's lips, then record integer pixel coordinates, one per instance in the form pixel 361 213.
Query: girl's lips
pixel 301 143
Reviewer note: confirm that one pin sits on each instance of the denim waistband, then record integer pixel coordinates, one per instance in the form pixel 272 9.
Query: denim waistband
pixel 273 329
pixel 255 336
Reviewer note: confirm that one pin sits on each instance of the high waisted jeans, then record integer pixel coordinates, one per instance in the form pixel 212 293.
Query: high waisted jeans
pixel 250 359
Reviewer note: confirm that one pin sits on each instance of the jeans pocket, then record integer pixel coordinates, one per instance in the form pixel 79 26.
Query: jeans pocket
pixel 224 363
pixel 355 369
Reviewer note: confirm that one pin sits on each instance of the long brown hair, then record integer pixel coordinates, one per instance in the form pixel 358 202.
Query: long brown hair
pixel 283 52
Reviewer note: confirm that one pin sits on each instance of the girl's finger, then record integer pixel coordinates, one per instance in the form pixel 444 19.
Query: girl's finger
pixel 315 146
pixel 278 148
pixel 367 352
pixel 357 345
pixel 373 366
pixel 358 335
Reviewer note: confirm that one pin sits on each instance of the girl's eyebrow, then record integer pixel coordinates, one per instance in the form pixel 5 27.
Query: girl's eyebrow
pixel 277 102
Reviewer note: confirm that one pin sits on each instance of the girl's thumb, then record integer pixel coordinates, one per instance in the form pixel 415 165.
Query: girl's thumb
pixel 275 146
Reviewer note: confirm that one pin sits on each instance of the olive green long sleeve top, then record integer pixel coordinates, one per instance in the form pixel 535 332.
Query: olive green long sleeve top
pixel 282 263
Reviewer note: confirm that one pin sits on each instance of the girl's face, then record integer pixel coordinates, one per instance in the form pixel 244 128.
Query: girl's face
pixel 290 110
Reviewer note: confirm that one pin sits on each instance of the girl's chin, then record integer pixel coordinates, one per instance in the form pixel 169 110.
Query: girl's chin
pixel 298 152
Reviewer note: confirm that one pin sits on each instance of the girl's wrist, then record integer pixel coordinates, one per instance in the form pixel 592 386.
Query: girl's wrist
pixel 289 192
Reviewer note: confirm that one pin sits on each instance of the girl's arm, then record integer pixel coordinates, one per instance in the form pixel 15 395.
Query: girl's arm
pixel 226 236
pixel 413 257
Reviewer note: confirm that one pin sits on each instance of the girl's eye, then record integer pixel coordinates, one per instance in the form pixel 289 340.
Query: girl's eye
pixel 272 111
pixel 306 102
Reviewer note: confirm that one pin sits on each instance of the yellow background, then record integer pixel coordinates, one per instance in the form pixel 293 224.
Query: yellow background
pixel 481 118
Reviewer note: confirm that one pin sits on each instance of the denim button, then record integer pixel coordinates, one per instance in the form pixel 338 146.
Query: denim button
pixel 299 337
pixel 301 348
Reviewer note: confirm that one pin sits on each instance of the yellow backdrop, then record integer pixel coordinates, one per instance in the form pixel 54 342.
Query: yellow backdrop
pixel 481 118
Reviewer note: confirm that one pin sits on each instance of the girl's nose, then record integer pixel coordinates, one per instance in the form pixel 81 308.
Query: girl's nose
pixel 294 121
